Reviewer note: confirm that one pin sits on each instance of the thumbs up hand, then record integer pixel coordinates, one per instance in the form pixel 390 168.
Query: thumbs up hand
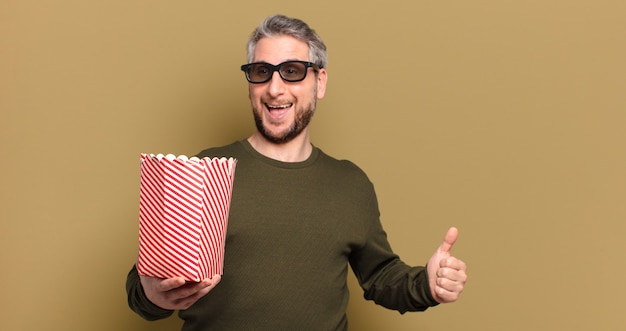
pixel 446 273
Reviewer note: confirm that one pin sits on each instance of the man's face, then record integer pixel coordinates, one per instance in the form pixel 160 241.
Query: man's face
pixel 282 110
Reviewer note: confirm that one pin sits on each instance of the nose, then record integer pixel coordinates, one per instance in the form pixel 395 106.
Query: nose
pixel 276 84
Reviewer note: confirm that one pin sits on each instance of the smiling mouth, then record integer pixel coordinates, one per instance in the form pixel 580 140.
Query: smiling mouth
pixel 278 107
pixel 277 113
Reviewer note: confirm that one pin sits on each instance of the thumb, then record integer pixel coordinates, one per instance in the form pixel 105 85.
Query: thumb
pixel 449 240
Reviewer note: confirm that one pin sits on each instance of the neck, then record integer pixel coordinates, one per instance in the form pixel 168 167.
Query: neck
pixel 297 150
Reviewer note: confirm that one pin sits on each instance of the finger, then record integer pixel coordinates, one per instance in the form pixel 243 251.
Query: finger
pixel 215 280
pixel 448 288
pixel 449 240
pixel 443 295
pixel 171 283
pixel 452 274
pixel 199 289
pixel 452 263
pixel 196 291
pixel 210 284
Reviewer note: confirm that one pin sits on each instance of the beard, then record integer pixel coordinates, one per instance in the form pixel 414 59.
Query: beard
pixel 302 120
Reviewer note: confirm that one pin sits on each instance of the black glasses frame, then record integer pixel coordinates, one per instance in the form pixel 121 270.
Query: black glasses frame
pixel 246 68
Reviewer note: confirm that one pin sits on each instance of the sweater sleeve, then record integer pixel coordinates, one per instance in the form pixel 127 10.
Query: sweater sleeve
pixel 384 278
pixel 400 287
pixel 139 303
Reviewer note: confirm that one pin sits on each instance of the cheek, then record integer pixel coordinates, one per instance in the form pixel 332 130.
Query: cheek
pixel 251 90
pixel 254 94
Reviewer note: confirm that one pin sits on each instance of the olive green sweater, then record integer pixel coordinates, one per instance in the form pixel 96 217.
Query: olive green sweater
pixel 293 230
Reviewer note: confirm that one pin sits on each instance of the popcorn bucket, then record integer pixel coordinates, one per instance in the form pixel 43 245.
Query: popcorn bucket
pixel 183 215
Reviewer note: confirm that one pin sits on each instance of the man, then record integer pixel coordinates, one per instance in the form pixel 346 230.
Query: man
pixel 298 217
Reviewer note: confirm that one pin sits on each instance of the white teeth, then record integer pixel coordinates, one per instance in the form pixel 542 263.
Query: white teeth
pixel 279 107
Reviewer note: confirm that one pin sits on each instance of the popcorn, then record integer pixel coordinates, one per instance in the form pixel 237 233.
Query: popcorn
pixel 183 215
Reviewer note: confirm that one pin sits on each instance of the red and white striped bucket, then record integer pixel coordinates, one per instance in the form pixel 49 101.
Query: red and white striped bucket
pixel 183 215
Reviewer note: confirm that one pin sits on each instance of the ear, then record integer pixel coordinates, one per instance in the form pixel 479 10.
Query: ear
pixel 322 78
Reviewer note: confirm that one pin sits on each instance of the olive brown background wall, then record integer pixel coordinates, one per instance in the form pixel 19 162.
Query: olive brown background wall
pixel 504 118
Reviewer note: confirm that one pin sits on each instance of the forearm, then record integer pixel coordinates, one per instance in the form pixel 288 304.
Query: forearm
pixel 139 303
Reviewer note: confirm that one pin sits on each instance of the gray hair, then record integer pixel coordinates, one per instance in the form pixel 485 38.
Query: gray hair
pixel 278 25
